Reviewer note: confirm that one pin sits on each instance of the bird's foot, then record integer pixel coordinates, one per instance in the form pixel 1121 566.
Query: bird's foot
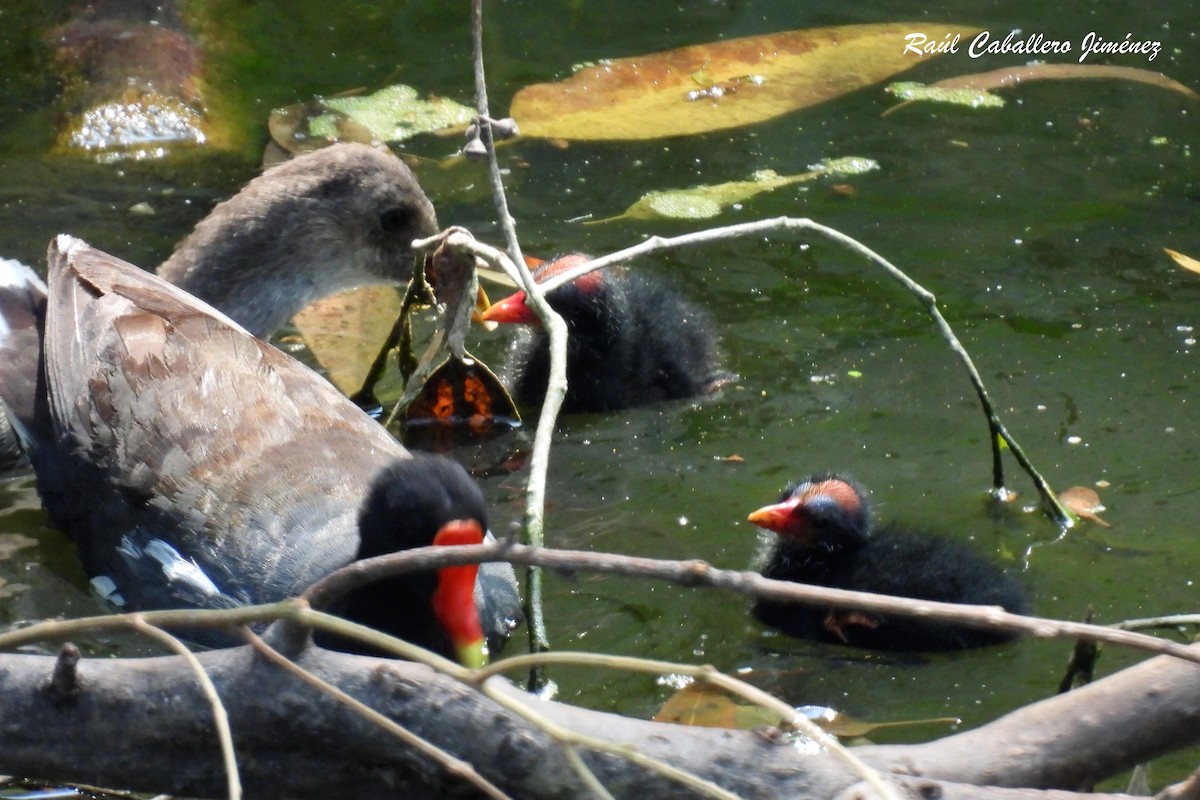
pixel 836 623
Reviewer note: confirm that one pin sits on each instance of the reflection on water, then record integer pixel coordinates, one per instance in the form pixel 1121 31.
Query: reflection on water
pixel 1038 226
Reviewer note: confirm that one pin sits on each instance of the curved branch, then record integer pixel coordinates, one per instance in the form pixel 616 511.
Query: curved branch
pixel 996 429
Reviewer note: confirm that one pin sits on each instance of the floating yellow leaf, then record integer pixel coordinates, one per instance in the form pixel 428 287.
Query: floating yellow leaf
pixel 1185 261
pixel 703 706
pixel 343 331
pixel 719 85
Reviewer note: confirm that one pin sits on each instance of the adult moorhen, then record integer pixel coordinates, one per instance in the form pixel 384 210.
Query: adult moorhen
pixel 631 341
pixel 826 538
pixel 196 466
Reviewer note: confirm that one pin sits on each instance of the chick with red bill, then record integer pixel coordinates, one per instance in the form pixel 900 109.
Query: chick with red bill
pixel 454 599
pixel 826 538
pixel 632 340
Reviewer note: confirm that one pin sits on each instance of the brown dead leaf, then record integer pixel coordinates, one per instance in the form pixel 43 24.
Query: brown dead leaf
pixel 1083 503
pixel 705 706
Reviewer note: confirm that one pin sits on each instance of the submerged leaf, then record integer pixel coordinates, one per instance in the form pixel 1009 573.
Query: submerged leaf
pixel 705 202
pixel 704 706
pixel 1011 76
pixel 392 114
pixel 343 331
pixel 1083 503
pixel 719 85
pixel 911 91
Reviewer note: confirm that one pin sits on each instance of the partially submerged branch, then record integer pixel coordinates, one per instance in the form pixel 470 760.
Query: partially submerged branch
pixel 298 740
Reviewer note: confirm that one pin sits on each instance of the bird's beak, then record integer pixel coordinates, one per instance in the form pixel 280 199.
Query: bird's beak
pixel 511 310
pixel 482 304
pixel 454 598
pixel 780 518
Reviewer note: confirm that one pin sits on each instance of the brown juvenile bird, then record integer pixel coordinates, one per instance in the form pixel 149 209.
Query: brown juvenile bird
pixel 338 217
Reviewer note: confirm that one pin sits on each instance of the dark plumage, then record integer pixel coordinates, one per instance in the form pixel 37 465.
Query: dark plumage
pixel 196 466
pixel 632 341
pixel 826 538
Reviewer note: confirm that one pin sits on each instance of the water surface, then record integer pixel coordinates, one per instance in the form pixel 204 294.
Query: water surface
pixel 1039 227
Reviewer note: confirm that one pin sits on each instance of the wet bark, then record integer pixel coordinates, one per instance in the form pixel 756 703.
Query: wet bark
pixel 143 724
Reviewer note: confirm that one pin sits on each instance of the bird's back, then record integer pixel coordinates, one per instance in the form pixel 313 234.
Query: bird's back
pixel 172 425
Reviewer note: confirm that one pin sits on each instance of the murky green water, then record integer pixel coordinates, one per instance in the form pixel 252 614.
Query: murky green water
pixel 1039 227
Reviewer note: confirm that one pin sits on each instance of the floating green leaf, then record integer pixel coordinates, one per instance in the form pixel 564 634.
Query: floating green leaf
pixel 705 202
pixel 719 85
pixel 913 91
pixel 972 90
pixel 392 114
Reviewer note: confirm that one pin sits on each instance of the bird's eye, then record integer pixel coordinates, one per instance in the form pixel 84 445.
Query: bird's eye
pixel 394 219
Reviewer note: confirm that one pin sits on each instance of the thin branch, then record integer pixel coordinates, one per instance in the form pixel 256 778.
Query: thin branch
pixel 507 223
pixel 585 774
pixel 1168 621
pixel 789 719
pixel 685 573
pixel 700 573
pixel 996 429
pixel 539 461
pixel 220 717
pixel 450 762
pixel 570 739
pixel 208 618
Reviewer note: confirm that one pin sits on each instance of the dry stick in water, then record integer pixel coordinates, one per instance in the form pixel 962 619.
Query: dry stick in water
pixel 539 460
pixel 701 573
pixel 996 429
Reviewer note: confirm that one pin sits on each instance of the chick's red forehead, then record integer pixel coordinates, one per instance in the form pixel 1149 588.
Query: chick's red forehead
pixel 566 263
pixel 837 490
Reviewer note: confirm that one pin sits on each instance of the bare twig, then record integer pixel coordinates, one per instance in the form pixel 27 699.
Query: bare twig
pixel 220 717
pixel 700 573
pixel 1168 621
pixel 507 223
pixel 539 460
pixel 571 739
pixel 684 573
pixel 996 430
pixel 451 763
pixel 790 720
